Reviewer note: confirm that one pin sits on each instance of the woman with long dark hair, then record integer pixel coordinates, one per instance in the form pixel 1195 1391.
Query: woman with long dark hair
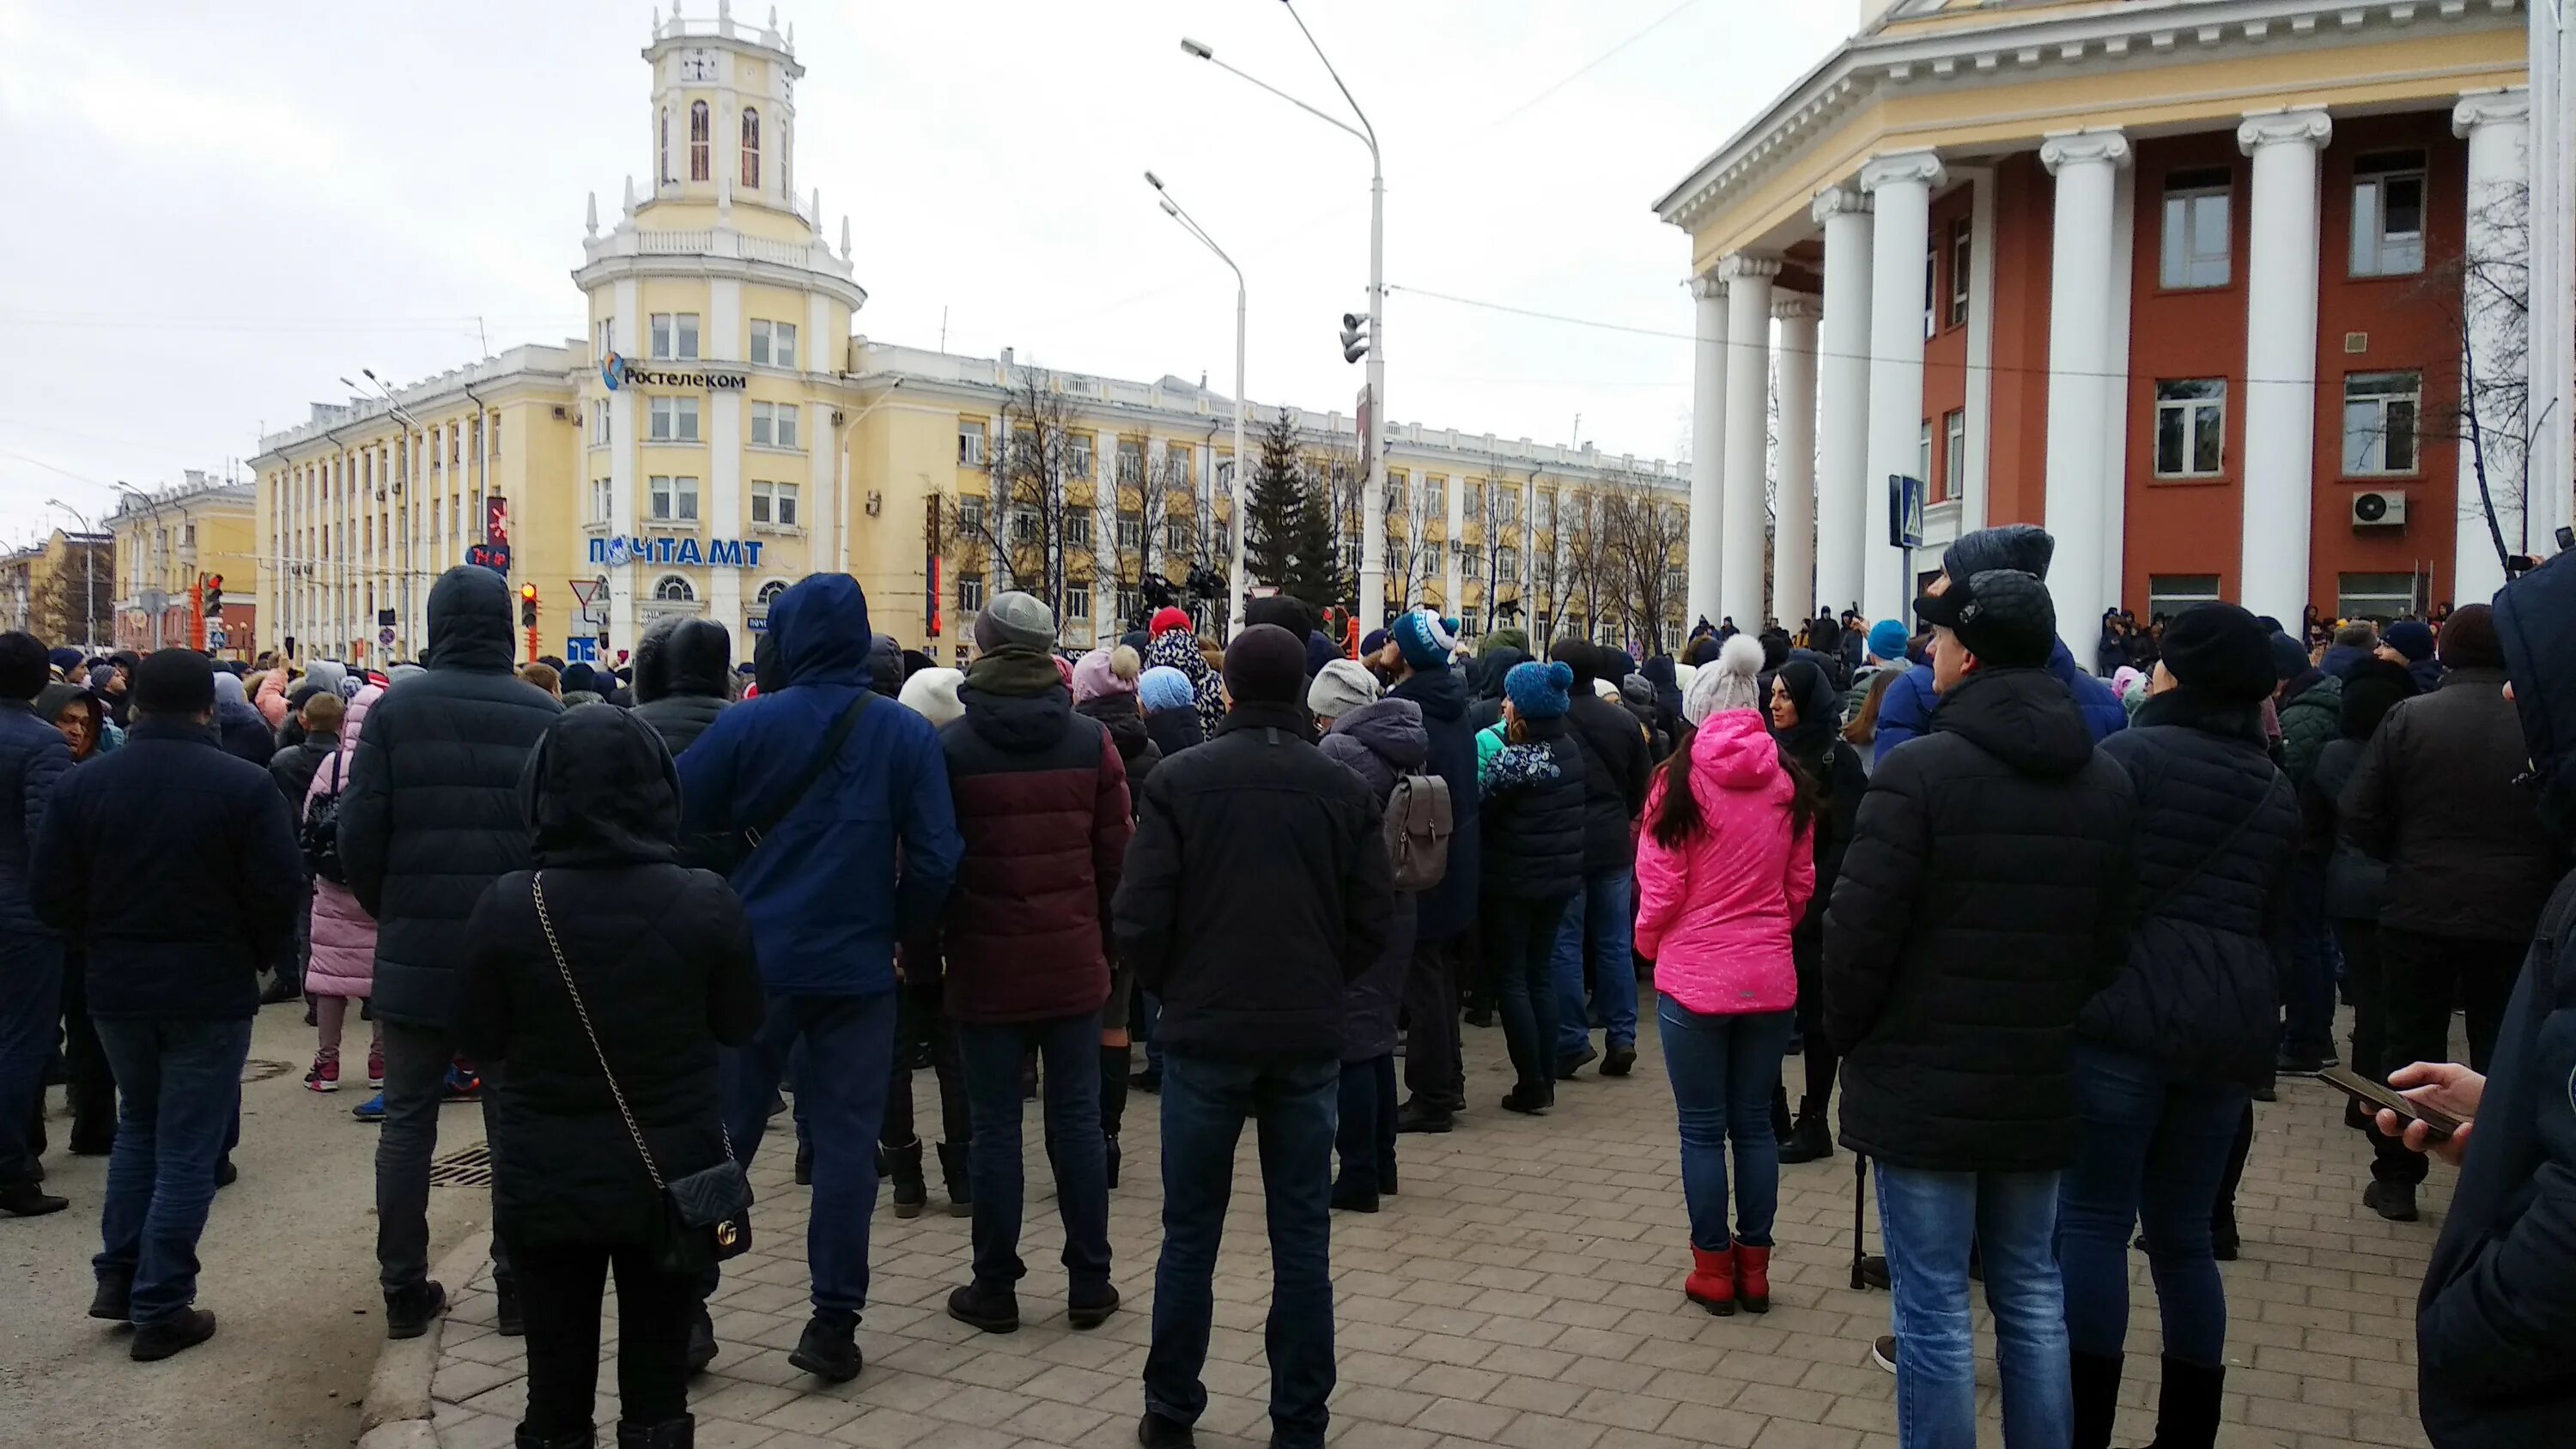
pixel 1804 710
pixel 1724 870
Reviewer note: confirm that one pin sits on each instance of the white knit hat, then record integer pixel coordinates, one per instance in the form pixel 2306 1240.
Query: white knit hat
pixel 1733 682
pixel 932 694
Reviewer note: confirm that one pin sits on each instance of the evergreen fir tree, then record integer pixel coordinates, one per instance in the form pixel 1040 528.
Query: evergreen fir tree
pixel 1275 510
pixel 1319 569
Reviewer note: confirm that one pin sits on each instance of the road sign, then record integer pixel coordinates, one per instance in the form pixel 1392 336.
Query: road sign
pixel 1904 511
pixel 585 590
pixel 581 649
pixel 214 636
pixel 385 636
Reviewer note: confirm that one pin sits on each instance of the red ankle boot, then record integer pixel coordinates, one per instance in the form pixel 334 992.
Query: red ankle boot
pixel 1711 1284
pixel 1753 1278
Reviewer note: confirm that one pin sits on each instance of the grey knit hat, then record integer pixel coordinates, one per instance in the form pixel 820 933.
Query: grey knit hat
pixel 1015 618
pixel 1342 686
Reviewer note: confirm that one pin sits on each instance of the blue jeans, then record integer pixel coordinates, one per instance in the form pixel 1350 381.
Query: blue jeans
pixel 2152 1154
pixel 1592 950
pixel 180 1081
pixel 1722 1068
pixel 1070 1047
pixel 1366 1137
pixel 1292 1106
pixel 848 1057
pixel 1930 1220
pixel 31 993
pixel 2308 968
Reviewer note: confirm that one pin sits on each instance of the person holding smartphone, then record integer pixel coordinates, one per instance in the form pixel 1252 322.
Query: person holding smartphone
pixel 2499 1300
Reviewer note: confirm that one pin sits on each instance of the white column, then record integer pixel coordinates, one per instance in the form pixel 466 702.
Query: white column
pixel 1900 188
pixel 2497 126
pixel 1708 449
pixel 1748 434
pixel 626 422
pixel 1842 462
pixel 2080 287
pixel 824 505
pixel 2115 390
pixel 1970 490
pixel 1793 544
pixel 729 428
pixel 1453 496
pixel 2280 359
pixel 2552 290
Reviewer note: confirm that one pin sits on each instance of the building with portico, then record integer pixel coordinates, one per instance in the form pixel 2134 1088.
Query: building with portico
pixel 2182 280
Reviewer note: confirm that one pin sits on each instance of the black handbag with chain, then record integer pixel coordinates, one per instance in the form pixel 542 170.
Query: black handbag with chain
pixel 706 1216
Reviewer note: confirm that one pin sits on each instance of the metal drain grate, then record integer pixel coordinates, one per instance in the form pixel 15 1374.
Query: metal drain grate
pixel 465 1167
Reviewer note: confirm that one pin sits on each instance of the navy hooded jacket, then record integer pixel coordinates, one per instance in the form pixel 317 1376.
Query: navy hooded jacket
pixel 1907 708
pixel 866 858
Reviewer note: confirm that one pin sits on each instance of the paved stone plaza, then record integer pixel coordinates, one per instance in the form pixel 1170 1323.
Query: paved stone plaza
pixel 1524 1290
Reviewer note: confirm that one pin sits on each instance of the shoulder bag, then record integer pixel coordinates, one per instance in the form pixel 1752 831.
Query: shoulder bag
pixel 706 1216
pixel 748 838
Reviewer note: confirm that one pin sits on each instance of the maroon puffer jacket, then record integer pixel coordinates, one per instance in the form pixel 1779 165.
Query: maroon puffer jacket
pixel 1041 798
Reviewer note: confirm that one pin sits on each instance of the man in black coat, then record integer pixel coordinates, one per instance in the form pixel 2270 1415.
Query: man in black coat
pixel 2499 1302
pixel 683 678
pixel 1593 968
pixel 1256 890
pixel 1982 902
pixel 171 868
pixel 32 757
pixel 2441 796
pixel 1416 656
pixel 441 754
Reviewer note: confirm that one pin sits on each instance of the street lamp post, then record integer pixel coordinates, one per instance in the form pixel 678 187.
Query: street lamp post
pixel 89 594
pixel 1373 493
pixel 1235 581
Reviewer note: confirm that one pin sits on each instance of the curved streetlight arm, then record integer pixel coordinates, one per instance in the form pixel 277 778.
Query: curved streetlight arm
pixel 1371 131
pixel 1366 138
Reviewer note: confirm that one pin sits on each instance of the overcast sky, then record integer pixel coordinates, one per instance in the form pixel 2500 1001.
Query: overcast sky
pixel 218 211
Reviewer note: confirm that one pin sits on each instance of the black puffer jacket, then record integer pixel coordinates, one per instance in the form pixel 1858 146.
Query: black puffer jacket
pixel 2440 796
pixel 683 678
pixel 2217 825
pixel 663 959
pixel 1533 831
pixel 1615 771
pixel 1256 890
pixel 1379 742
pixel 1983 901
pixel 1119 714
pixel 431 816
pixel 1449 907
pixel 32 758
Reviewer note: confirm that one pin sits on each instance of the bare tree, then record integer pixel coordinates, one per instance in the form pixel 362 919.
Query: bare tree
pixel 1496 513
pixel 2486 295
pixel 1149 522
pixel 1592 574
pixel 1643 531
pixel 77 599
pixel 1032 528
pixel 1335 472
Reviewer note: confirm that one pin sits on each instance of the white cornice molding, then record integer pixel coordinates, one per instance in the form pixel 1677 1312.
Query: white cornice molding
pixel 1708 287
pixel 2306 125
pixel 2017 41
pixel 2079 148
pixel 1920 167
pixel 1748 265
pixel 1836 201
pixel 1797 307
pixel 2508 107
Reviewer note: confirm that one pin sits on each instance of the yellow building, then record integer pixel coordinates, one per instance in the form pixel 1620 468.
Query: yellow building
pixel 721 433
pixel 173 539
pixel 59 590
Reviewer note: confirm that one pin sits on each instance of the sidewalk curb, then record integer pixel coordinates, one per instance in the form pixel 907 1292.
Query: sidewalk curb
pixel 396 1413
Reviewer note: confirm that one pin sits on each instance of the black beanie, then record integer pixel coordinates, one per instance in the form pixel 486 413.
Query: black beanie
pixel 1578 655
pixel 2023 547
pixel 2374 687
pixel 175 682
pixel 2222 651
pixel 2469 640
pixel 25 668
pixel 1265 665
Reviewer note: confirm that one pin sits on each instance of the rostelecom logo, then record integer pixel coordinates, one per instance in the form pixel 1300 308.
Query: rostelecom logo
pixel 612 370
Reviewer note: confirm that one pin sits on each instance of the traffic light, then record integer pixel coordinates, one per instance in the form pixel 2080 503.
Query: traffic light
pixel 214 595
pixel 1355 339
pixel 527 606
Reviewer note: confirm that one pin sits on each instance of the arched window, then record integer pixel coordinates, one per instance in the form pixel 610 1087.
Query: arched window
pixel 674 589
pixel 769 592
pixel 750 150
pixel 697 140
pixel 662 137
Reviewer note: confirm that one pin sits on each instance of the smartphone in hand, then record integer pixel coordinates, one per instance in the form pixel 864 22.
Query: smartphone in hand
pixel 2379 1095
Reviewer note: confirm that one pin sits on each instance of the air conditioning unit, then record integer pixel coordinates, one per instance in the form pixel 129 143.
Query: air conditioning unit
pixel 2379 509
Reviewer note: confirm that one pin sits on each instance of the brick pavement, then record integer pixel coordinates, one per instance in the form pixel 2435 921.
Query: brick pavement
pixel 1525 1290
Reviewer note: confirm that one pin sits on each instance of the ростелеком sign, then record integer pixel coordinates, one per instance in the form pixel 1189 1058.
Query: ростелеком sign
pixel 617 372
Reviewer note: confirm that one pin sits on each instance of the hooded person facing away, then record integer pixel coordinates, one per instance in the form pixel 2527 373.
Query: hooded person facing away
pixel 841 798
pixel 683 678
pixel 429 819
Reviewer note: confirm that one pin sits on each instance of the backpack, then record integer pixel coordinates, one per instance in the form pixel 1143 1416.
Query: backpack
pixel 1419 823
pixel 318 835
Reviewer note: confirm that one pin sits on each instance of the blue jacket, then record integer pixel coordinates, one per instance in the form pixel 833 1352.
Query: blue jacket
pixel 32 757
pixel 172 867
pixel 866 858
pixel 1905 711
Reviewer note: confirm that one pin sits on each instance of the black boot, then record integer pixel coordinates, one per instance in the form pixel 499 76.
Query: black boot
pixel 1810 1140
pixel 408 1311
pixel 27 1200
pixel 992 1307
pixel 702 1342
pixel 507 1320
pixel 2097 1397
pixel 528 1438
pixel 2187 1405
pixel 114 1298
pixel 679 1433
pixel 903 1167
pixel 952 1168
pixel 829 1350
pixel 804 1163
pixel 1109 1156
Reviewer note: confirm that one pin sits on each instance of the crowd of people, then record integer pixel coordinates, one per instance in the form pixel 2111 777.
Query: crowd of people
pixel 2051 934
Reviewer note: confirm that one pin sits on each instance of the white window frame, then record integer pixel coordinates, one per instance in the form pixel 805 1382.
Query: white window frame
pixel 972 440
pixel 2347 598
pixel 1962 239
pixel 773 425
pixel 675 420
pixel 1131 530
pixel 2197 412
pixel 970 590
pixel 1923 457
pixel 1954 453
pixel 671 498
pixel 675 336
pixel 773 344
pixel 2181 265
pixel 1077 528
pixel 601 428
pixel 603 340
pixel 2376 250
pixel 783 500
pixel 1131 462
pixel 2382 395
pixel 673 589
pixel 1077 602
pixel 603 500
pixel 1176 537
pixel 2168 595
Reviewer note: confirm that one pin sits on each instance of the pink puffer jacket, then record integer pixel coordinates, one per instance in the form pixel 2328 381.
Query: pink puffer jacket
pixel 344 935
pixel 270 700
pixel 1715 915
